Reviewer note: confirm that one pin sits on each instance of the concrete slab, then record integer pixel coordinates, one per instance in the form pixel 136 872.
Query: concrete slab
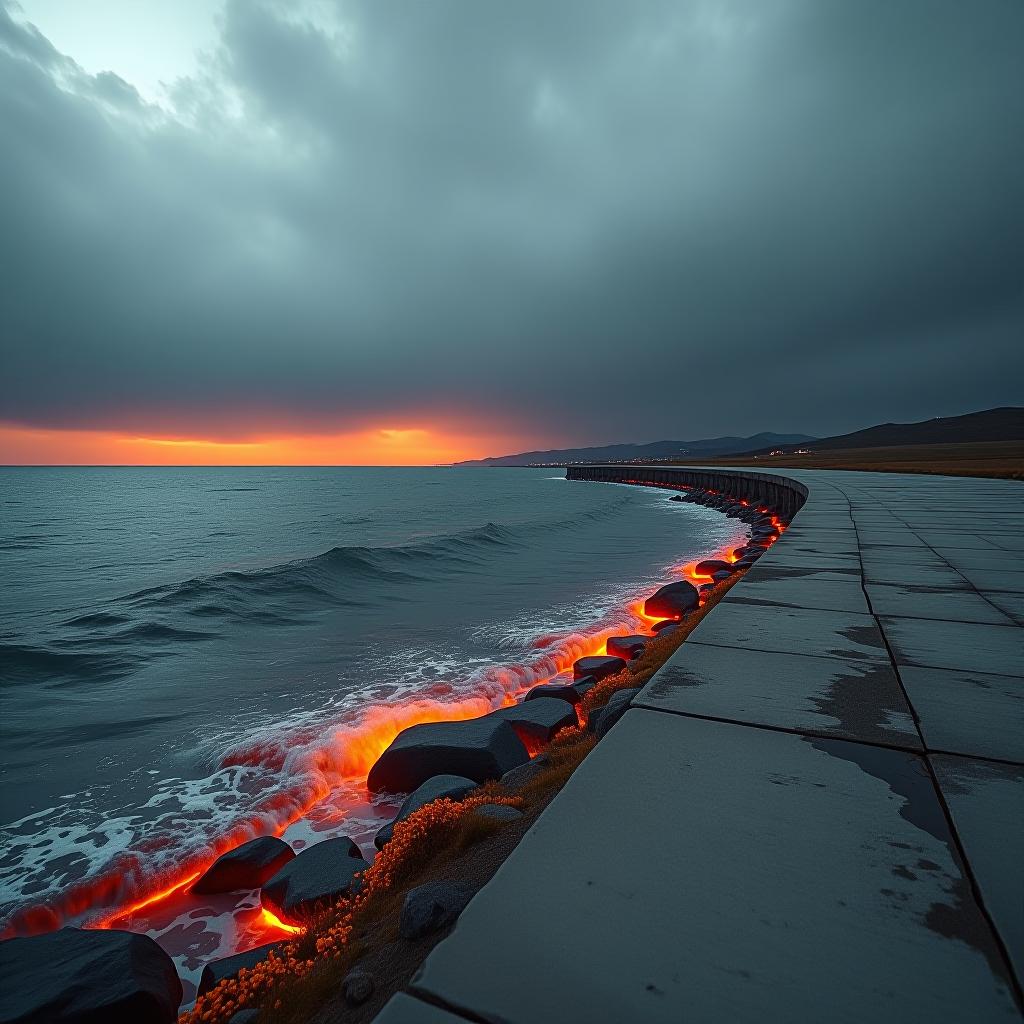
pixel 960 646
pixel 767 569
pixel 970 558
pixel 906 574
pixel 843 635
pixel 1010 604
pixel 827 696
pixel 933 603
pixel 780 556
pixel 767 877
pixel 986 802
pixel 997 580
pixel 887 556
pixel 968 712
pixel 831 595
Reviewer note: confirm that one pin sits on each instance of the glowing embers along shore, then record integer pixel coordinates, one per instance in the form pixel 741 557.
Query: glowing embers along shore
pixel 324 795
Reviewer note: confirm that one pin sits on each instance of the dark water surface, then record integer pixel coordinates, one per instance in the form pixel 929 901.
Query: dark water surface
pixel 184 650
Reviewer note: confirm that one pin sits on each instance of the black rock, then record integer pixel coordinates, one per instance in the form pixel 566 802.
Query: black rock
pixel 537 721
pixel 672 601
pixel 560 691
pixel 317 877
pixel 677 497
pixel 480 749
pixel 614 710
pixel 246 867
pixel 521 775
pixel 627 646
pixel 665 628
pixel 666 624
pixel 584 685
pixel 712 565
pixel 76 976
pixel 706 588
pixel 721 577
pixel 498 812
pixel 599 666
pixel 357 987
pixel 227 967
pixel 453 787
pixel 430 907
pixel 244 1017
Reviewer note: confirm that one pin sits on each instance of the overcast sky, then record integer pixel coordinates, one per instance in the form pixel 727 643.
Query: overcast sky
pixel 570 220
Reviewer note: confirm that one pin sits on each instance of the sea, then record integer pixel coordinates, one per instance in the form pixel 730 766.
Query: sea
pixel 190 657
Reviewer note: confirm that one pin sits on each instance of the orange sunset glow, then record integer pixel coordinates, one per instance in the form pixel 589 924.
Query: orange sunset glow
pixel 381 446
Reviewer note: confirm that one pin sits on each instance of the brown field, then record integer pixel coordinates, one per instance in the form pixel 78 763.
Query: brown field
pixel 1004 459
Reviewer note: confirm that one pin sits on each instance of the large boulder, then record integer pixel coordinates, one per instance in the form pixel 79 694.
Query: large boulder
pixel 712 565
pixel 452 787
pixel 598 666
pixel 246 867
pixel 76 976
pixel 613 711
pixel 480 749
pixel 537 721
pixel 430 907
pixel 627 647
pixel 227 967
pixel 672 601
pixel 559 691
pixel 317 877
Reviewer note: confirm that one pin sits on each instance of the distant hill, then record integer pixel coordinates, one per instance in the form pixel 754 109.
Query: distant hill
pixel 706 448
pixel 1004 424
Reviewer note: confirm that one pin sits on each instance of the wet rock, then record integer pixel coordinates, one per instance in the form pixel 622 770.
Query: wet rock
pixel 559 691
pixel 520 776
pixel 246 867
pixel 539 720
pixel 498 812
pixel 76 976
pixel 627 647
pixel 664 628
pixel 227 967
pixel 672 601
pixel 357 987
pixel 452 787
pixel 612 711
pixel 317 877
pixel 427 908
pixel 600 667
pixel 480 749
pixel 585 684
pixel 712 565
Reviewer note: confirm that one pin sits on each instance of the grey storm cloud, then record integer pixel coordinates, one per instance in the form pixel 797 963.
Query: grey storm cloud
pixel 612 221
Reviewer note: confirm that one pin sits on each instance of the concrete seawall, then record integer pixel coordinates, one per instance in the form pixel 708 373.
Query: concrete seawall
pixel 813 811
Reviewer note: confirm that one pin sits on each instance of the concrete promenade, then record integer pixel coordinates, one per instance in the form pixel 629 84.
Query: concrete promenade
pixel 814 811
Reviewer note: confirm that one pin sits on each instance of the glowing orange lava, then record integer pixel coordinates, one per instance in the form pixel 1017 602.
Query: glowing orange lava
pixel 353 751
pixel 134 908
pixel 271 920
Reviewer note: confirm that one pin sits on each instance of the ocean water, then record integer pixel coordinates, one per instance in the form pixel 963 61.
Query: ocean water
pixel 190 657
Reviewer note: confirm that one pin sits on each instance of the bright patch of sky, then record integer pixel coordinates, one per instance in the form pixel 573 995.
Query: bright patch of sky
pixel 148 43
